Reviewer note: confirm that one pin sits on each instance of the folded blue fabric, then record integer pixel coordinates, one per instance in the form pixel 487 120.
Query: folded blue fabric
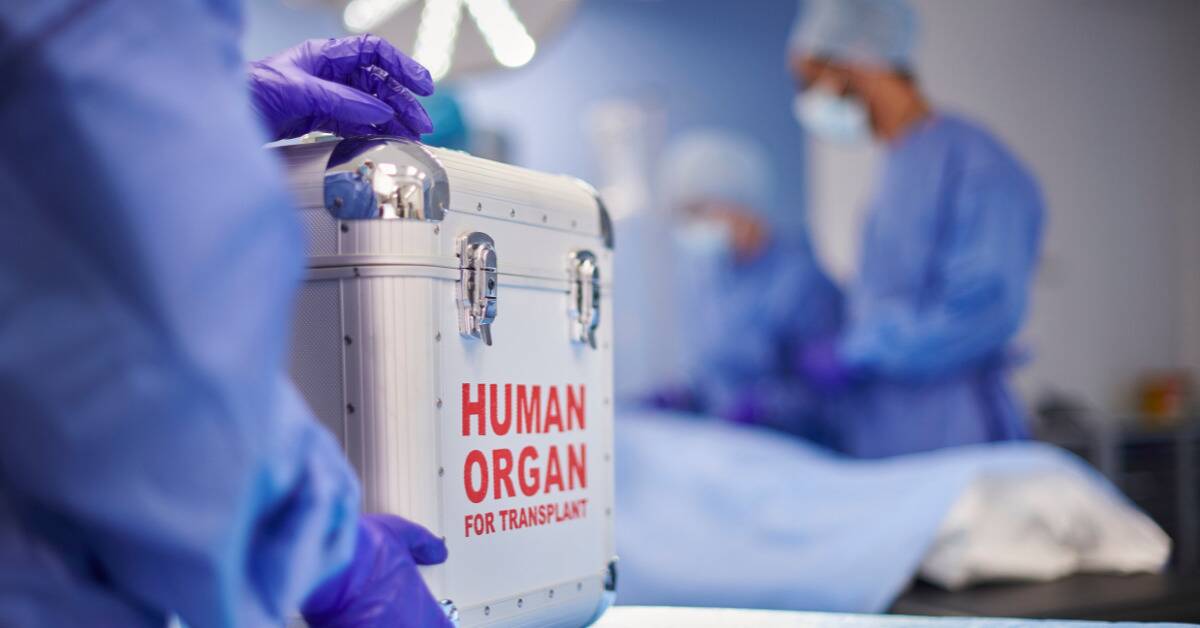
pixel 714 514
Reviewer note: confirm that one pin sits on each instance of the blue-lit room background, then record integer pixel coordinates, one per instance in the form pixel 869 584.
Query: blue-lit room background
pixel 701 62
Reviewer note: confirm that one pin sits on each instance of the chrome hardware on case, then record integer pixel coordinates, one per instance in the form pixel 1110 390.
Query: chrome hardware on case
pixel 584 304
pixel 476 285
pixel 399 190
pixel 609 595
pixel 451 611
pixel 376 177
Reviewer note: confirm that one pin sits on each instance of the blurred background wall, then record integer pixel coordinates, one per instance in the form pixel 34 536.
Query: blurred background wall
pixel 698 62
pixel 1099 96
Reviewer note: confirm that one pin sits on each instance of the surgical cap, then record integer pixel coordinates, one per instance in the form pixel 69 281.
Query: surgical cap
pixel 871 32
pixel 705 165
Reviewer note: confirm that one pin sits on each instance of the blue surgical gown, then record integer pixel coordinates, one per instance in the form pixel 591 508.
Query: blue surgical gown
pixel 750 320
pixel 154 458
pixel 948 253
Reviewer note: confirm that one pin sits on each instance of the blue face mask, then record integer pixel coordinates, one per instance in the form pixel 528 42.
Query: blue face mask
pixel 829 117
pixel 704 241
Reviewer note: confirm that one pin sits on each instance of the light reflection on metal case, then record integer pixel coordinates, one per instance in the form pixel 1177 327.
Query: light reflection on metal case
pixel 584 308
pixel 451 611
pixel 408 181
pixel 606 226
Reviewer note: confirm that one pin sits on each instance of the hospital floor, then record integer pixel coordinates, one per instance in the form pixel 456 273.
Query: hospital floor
pixel 1143 598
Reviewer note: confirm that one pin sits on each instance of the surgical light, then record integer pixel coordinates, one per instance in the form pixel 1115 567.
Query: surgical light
pixel 363 15
pixel 436 36
pixel 503 31
pixel 505 35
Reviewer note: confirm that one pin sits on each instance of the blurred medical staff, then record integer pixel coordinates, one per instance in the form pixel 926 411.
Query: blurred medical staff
pixel 948 250
pixel 748 294
pixel 154 457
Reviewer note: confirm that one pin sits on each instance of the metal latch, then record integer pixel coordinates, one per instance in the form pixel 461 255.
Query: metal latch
pixel 584 304
pixel 476 285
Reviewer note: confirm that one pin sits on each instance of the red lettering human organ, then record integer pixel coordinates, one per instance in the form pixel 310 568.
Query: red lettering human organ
pixel 525 464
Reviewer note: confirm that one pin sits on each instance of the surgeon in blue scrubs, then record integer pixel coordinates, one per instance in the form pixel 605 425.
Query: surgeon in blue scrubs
pixel 948 251
pixel 155 460
pixel 752 292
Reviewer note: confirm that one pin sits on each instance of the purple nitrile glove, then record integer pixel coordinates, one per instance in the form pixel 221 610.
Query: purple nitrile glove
pixel 381 586
pixel 351 86
pixel 822 367
pixel 676 398
pixel 745 410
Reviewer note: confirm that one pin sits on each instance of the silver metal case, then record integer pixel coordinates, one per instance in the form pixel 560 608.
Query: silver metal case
pixel 449 300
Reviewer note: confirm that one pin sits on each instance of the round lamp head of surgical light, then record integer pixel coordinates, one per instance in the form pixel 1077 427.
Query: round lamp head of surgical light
pixel 516 52
pixel 360 16
pixel 459 37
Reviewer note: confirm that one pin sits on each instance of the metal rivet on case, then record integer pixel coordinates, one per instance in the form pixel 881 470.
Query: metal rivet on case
pixel 520 602
pixel 439 403
pixel 436 229
pixel 551 593
pixel 437 337
pixel 356 271
pixel 545 218
pixel 512 213
pixel 347 339
pixel 441 471
pixel 478 207
pixel 338 202
pixel 487 610
pixel 350 408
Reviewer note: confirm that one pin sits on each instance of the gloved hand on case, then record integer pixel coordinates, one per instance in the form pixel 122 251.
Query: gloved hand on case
pixel 822 367
pixel 381 586
pixel 351 86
